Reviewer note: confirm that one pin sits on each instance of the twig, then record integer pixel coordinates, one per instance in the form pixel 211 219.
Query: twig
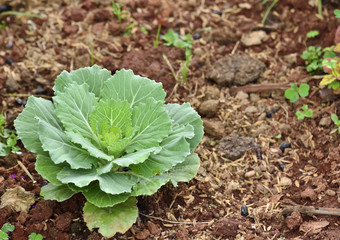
pixel 235 48
pixel 26 171
pixel 173 222
pixel 251 88
pixel 309 210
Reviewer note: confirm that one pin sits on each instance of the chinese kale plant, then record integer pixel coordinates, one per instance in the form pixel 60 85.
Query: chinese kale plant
pixel 294 92
pixel 111 138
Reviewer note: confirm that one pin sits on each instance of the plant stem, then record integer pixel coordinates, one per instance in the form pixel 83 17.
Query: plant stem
pixel 155 42
pixel 268 10
pixel 320 8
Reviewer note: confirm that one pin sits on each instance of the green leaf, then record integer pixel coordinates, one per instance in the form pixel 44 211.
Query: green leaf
pixel 48 169
pixel 124 85
pixel 93 76
pixel 97 197
pixel 3 235
pixel 151 124
pixel 337 13
pixel 59 193
pixel 309 113
pixel 182 172
pixel 300 115
pixel 34 236
pixel 335 118
pixel 61 149
pixel 183 115
pixel 175 149
pixel 27 123
pixel 292 95
pixel 112 182
pixel 136 157
pixel 111 121
pixel 304 90
pixel 111 220
pixel 4 150
pixel 312 34
pixel 74 108
pixel 7 227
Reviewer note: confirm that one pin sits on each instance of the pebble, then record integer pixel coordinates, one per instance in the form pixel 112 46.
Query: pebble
pixel 154 228
pixel 250 110
pixel 254 38
pixel 250 174
pixel 144 234
pixel 242 96
pixel 197 36
pixel 254 97
pixel 208 108
pixel 244 211
pixel 213 128
pixel 78 14
pixel 284 146
pixel 286 182
pixel 330 192
pixel 325 121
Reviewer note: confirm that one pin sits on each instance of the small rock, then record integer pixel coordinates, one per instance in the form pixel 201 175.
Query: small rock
pixel 63 221
pixel 154 3
pixel 70 29
pixel 98 28
pixel 226 227
pixel 89 5
pixel 208 108
pixel 250 174
pixel 330 192
pixel 309 193
pixel 254 97
pixel 244 211
pixel 154 228
pixel 250 110
pixel 224 36
pixel 212 92
pixel 290 58
pixel 102 15
pixel 78 14
pixel 213 128
pixel 235 145
pixel 238 69
pixel 232 186
pixel 241 95
pixel 325 121
pixel 254 38
pixel 182 235
pixel 22 217
pixel 286 182
pixel 114 28
pixel 294 220
pixel 144 234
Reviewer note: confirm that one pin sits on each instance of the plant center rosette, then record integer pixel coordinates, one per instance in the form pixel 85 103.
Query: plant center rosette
pixel 111 138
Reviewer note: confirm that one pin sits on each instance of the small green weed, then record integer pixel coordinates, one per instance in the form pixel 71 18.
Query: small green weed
pixel 313 34
pixel 294 92
pixel 174 39
pixel 5 230
pixel 314 56
pixel 3 25
pixel 332 79
pixel 117 10
pixel 304 113
pixel 337 13
pixel 336 121
pixel 144 30
pixel 34 236
pixel 128 29
pixel 8 138
pixel 155 41
pixel 268 9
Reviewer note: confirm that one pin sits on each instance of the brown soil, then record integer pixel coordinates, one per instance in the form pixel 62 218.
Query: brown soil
pixel 242 197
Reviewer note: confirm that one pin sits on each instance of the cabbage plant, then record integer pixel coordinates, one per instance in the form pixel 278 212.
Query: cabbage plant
pixel 111 138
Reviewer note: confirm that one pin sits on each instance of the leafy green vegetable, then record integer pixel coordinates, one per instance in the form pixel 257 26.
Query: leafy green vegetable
pixel 337 13
pixel 112 138
pixel 294 92
pixel 304 113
